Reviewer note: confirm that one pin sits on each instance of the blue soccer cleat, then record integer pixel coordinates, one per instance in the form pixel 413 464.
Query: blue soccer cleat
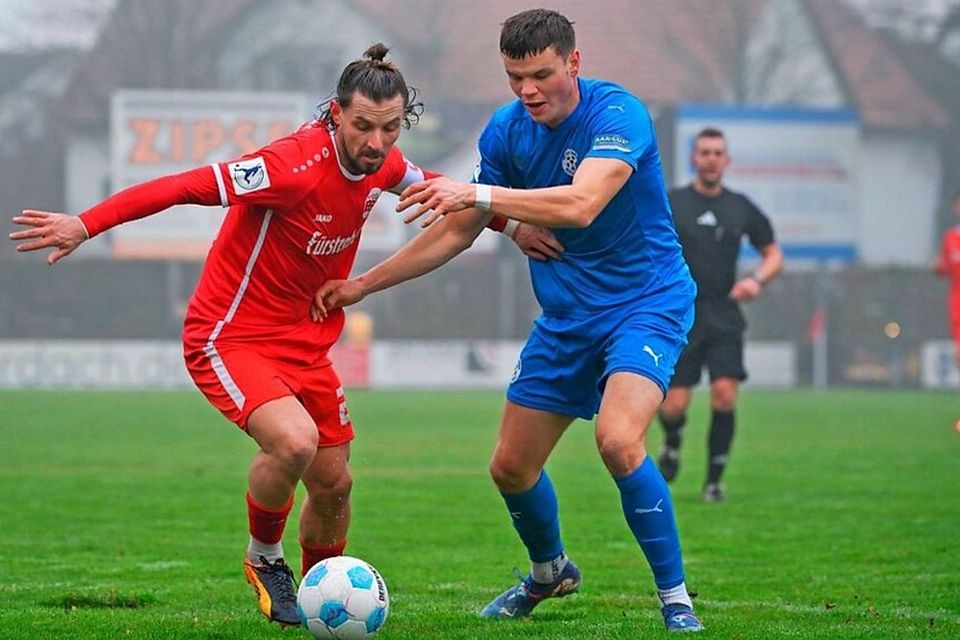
pixel 519 601
pixel 680 617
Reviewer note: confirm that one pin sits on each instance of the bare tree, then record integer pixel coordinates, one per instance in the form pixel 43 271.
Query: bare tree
pixel 59 25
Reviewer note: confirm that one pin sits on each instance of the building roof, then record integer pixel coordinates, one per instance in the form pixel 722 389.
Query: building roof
pixel 149 44
pixel 878 82
pixel 665 51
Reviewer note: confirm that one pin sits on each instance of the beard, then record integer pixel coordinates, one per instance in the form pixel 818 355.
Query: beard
pixel 366 163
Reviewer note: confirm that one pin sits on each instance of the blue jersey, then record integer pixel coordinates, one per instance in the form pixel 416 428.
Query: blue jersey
pixel 631 249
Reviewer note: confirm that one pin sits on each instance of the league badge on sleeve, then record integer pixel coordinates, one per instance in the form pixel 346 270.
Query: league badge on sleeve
pixel 249 175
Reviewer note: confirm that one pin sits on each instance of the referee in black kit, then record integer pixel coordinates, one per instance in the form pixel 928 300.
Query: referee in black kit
pixel 711 220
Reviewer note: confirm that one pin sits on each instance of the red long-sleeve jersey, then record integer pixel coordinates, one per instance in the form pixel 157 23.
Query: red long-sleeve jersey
pixel 294 221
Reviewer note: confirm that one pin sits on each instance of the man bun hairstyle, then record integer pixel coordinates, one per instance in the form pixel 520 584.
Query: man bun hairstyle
pixel 532 32
pixel 377 79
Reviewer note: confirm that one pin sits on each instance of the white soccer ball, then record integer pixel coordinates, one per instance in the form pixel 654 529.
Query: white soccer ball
pixel 343 598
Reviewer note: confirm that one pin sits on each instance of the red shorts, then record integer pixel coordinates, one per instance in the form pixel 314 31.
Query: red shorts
pixel 236 379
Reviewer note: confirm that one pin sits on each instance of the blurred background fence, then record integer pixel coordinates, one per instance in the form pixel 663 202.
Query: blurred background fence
pixel 873 324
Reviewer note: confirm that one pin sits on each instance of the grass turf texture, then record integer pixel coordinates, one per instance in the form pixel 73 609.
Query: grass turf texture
pixel 123 516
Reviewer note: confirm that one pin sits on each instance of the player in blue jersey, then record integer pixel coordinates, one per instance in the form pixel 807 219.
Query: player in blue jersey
pixel 579 157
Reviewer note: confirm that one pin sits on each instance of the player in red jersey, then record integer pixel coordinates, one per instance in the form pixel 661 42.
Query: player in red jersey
pixel 948 266
pixel 296 210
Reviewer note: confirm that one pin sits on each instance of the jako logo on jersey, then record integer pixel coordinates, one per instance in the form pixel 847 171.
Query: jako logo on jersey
pixel 323 217
pixel 250 175
pixel 370 202
pixel 320 245
pixel 611 142
pixel 569 162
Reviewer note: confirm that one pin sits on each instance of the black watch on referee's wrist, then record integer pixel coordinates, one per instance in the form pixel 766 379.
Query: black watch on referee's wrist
pixel 755 275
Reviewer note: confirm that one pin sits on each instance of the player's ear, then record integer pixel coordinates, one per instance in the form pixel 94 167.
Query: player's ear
pixel 336 113
pixel 573 63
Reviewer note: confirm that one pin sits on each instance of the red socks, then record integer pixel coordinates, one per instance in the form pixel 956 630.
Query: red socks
pixel 266 525
pixel 312 555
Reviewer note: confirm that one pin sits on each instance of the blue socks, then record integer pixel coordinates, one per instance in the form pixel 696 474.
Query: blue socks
pixel 649 513
pixel 646 506
pixel 535 517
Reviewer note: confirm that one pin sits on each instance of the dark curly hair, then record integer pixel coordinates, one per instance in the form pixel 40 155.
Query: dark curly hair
pixel 377 79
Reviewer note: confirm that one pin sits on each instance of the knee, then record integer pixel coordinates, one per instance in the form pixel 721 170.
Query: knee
pixel 671 413
pixel 510 476
pixel 723 394
pixel 620 455
pixel 723 400
pixel 330 488
pixel 295 451
pixel 674 407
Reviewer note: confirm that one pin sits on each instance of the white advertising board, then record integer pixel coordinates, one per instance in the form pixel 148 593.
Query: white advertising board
pixel 770 364
pixel 798 165
pixel 386 364
pixel 156 133
pixel 443 364
pixel 938 368
pixel 92 364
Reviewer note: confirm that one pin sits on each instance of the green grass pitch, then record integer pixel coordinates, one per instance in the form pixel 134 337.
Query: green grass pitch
pixel 122 516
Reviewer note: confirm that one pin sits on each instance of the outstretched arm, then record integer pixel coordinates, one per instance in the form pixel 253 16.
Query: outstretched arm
pixel 64 233
pixel 596 182
pixel 424 253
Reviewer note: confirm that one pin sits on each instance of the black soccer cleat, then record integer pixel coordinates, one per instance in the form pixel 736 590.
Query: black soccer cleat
pixel 276 590
pixel 712 492
pixel 668 461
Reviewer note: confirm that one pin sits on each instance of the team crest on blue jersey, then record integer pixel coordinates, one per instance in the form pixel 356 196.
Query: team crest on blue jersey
pixel 250 175
pixel 569 162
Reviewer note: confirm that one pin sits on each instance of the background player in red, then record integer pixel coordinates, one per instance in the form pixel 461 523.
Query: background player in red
pixel 297 207
pixel 948 266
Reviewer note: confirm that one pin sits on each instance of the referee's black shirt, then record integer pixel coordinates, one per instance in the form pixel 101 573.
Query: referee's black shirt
pixel 710 231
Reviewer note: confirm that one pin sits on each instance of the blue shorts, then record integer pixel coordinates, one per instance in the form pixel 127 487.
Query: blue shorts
pixel 566 361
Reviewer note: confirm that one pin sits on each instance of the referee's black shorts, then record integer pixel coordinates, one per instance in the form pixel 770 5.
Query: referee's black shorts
pixel 714 342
